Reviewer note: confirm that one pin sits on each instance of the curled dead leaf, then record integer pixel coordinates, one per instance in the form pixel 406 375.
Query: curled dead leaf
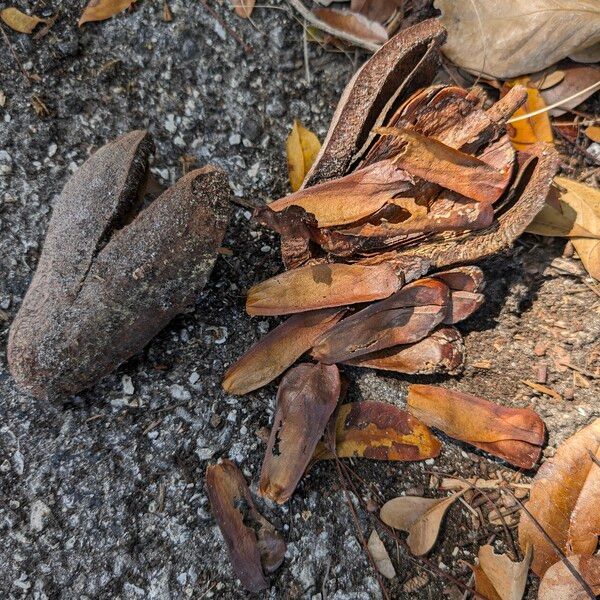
pixel 19 21
pixel 353 23
pixel 278 350
pixel 379 431
pixel 420 517
pixel 100 10
pixel 563 500
pixel 306 398
pixel 514 434
pixel 498 576
pixel 302 147
pixel 321 286
pixel 577 79
pixel 254 546
pixel 559 584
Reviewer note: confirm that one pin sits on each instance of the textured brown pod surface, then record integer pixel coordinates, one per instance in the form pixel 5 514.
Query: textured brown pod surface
pixel 109 277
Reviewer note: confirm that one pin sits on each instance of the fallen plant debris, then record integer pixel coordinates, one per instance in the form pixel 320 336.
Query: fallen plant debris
pixel 100 10
pixel 380 556
pixel 498 577
pixel 379 431
pixel 255 548
pixel 572 210
pixel 111 274
pixel 306 398
pixel 515 434
pixel 243 8
pixel 563 501
pixel 519 37
pixel 558 582
pixel 19 21
pixel 420 517
pixel 302 147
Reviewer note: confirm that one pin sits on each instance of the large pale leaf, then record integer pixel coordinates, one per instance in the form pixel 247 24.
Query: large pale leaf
pixel 380 431
pixel 420 517
pixel 559 584
pixel 576 215
pixel 321 286
pixel 517 37
pixel 278 350
pixel 515 434
pixel 302 147
pixel 306 398
pixel 564 501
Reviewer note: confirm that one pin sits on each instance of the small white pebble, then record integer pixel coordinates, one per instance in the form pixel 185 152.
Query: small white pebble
pixel 127 383
pixel 194 377
pixel 178 392
pixel 265 249
pixel 234 139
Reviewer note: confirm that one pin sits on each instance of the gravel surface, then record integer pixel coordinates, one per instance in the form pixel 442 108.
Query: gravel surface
pixel 103 496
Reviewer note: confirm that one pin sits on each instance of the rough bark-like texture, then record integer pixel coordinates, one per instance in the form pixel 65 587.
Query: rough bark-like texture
pixel 104 288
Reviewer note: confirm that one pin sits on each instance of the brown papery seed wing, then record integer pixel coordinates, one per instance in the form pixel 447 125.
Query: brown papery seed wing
pixel 321 286
pixel 278 350
pixel 306 399
pixel 515 434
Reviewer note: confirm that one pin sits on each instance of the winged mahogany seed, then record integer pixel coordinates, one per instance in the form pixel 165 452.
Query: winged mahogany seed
pixel 110 276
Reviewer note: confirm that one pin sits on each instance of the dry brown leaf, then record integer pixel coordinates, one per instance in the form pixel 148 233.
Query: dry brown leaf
pixel 564 501
pixel 254 546
pixel 515 434
pixel 442 351
pixel 377 10
pixel 420 517
pixel 516 37
pixel 537 128
pixel 593 132
pixel 167 15
pixel 100 10
pixel 19 21
pixel 438 163
pixel 380 556
pixel 302 147
pixel 404 318
pixel 321 286
pixel 353 23
pixel 379 431
pixel 243 8
pixel 507 578
pixel 577 78
pixel 577 216
pixel 306 398
pixel 559 584
pixel 278 350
